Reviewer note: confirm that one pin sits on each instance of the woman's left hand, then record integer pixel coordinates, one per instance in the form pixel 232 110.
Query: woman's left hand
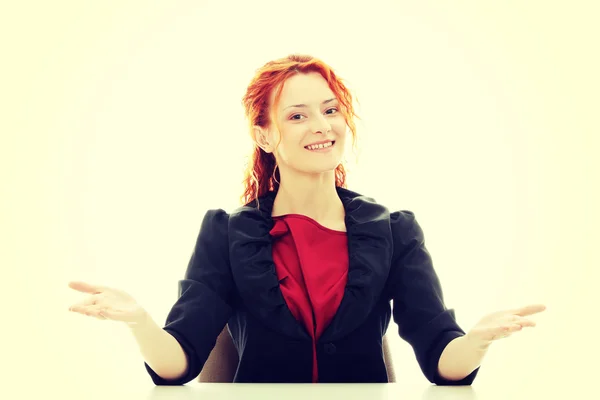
pixel 502 324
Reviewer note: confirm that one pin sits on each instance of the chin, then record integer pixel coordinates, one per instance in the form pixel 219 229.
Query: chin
pixel 323 169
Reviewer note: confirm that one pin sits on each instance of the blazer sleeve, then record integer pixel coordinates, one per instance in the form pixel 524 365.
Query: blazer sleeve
pixel 418 305
pixel 204 304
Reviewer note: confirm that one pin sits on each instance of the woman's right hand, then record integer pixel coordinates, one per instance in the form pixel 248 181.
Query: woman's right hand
pixel 108 303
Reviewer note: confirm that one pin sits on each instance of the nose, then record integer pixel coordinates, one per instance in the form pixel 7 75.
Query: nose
pixel 322 126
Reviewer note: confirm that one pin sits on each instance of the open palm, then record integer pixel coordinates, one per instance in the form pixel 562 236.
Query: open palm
pixel 108 303
pixel 502 324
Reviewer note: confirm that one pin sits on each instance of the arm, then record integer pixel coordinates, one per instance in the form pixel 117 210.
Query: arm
pixel 162 352
pixel 459 359
pixel 419 310
pixel 202 309
pixel 464 354
pixel 222 363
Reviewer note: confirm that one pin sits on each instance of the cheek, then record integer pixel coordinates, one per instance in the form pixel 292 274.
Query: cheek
pixel 286 149
pixel 340 126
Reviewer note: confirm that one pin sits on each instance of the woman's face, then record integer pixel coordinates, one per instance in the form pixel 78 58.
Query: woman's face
pixel 308 112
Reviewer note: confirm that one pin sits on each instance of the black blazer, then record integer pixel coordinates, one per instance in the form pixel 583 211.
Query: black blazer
pixel 231 279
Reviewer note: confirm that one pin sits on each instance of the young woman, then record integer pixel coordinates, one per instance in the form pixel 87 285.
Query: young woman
pixel 304 273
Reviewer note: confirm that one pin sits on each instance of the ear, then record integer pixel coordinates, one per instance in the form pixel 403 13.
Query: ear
pixel 261 139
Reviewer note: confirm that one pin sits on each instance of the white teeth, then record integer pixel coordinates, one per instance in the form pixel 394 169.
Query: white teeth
pixel 320 146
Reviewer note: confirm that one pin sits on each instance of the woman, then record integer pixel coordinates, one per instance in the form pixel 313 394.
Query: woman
pixel 304 273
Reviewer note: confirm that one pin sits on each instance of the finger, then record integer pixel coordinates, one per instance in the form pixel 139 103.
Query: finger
pixel 80 309
pixel 506 331
pixel 86 287
pixel 94 311
pixel 88 301
pixel 523 322
pixel 529 310
pixel 513 328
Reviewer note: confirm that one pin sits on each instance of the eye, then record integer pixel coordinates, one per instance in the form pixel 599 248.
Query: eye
pixel 300 115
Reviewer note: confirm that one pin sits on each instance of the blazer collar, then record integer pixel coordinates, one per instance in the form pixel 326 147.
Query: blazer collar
pixel 370 248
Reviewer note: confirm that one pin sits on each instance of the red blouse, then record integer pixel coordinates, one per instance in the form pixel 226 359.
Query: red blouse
pixel 311 262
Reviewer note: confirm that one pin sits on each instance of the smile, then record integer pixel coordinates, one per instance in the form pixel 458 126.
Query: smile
pixel 321 147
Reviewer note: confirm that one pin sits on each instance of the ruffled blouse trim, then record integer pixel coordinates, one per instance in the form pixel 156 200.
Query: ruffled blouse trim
pixel 370 247
pixel 306 218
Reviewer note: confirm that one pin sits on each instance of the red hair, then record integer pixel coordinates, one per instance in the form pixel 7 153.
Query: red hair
pixel 258 177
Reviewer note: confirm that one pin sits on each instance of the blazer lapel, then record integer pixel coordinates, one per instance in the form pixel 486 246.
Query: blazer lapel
pixel 369 253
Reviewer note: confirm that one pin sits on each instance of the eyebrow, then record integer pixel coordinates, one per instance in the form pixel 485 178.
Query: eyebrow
pixel 304 105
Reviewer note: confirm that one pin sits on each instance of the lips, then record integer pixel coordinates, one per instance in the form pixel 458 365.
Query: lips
pixel 321 142
pixel 325 142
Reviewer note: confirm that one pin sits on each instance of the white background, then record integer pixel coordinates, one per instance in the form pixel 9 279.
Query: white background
pixel 122 124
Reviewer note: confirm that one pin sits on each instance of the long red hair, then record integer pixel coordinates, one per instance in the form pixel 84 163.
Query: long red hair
pixel 258 176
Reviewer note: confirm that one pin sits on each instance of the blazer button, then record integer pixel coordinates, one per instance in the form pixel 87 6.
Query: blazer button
pixel 330 348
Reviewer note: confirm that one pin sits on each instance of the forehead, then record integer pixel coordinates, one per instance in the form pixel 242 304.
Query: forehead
pixel 309 89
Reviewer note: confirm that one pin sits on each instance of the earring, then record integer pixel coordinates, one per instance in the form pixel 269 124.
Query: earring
pixel 273 175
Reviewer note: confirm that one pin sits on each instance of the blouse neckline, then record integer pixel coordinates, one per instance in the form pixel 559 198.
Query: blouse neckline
pixel 313 221
pixel 370 251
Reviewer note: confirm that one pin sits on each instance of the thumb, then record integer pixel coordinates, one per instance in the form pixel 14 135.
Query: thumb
pixel 86 287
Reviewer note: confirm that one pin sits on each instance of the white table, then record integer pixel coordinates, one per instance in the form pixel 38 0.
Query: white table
pixel 312 392
pixel 196 391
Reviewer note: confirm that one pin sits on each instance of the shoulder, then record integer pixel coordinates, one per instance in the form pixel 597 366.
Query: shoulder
pixel 214 228
pixel 209 261
pixel 215 217
pixel 404 223
pixel 406 232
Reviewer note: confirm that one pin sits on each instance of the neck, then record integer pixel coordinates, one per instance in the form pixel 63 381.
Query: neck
pixel 313 196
